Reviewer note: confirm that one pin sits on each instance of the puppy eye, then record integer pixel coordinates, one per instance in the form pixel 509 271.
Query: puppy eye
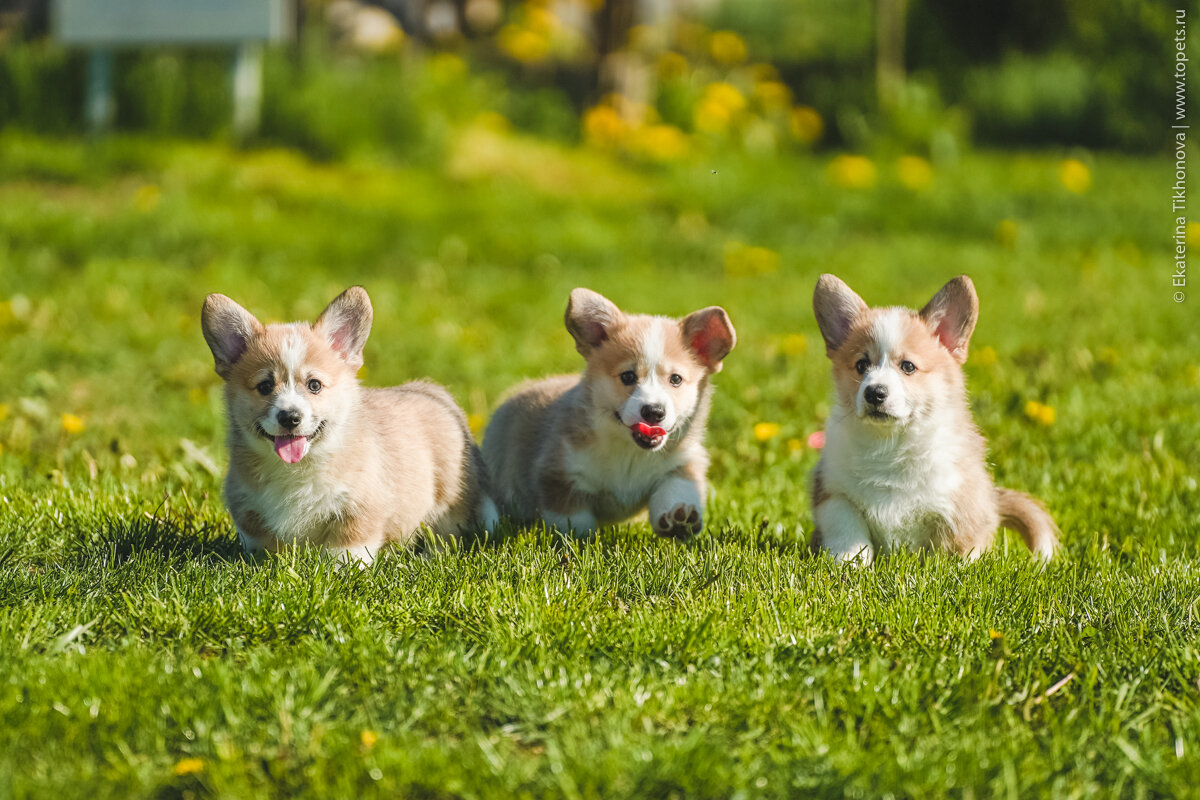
pixel 862 365
pixel 907 367
pixel 314 385
pixel 629 377
pixel 676 380
pixel 266 387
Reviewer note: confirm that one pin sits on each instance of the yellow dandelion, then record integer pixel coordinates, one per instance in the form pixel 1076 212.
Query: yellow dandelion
pixel 852 172
pixel 914 172
pixel 188 766
pixel 1193 234
pixel 986 356
pixel 743 260
pixel 475 423
pixel 726 47
pixel 368 738
pixel 710 116
pixel 995 634
pixel 541 18
pixel 660 142
pixel 765 431
pixel 672 65
pixel 147 197
pixel 72 423
pixel 794 446
pixel 727 95
pixel 1075 175
pixel 795 344
pixel 1006 232
pixel 806 125
pixel 523 44
pixel 1040 413
pixel 773 94
pixel 604 127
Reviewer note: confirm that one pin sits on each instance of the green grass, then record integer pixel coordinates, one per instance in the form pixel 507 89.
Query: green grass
pixel 134 639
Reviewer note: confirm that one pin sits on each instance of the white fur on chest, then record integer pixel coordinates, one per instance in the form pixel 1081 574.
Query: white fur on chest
pixel 299 504
pixel 903 485
pixel 619 468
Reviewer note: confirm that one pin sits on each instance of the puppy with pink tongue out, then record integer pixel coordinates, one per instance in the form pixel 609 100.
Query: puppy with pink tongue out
pixel 317 459
pixel 582 451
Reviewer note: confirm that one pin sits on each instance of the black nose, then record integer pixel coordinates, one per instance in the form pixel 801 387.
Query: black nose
pixel 288 419
pixel 875 394
pixel 653 413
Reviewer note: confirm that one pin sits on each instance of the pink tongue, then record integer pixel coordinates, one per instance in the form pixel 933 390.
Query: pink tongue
pixel 291 448
pixel 648 431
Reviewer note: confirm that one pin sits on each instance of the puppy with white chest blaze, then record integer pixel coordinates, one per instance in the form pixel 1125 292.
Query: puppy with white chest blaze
pixel 317 459
pixel 903 465
pixel 582 451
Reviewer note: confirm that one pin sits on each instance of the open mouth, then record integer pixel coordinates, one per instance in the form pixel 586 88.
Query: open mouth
pixel 291 448
pixel 647 437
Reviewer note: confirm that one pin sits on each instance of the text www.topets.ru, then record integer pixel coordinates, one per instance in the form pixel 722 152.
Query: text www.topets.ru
pixel 1179 190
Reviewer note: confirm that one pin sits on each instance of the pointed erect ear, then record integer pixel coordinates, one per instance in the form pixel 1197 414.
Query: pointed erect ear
pixel 346 322
pixel 590 318
pixel 710 335
pixel 836 307
pixel 228 329
pixel 951 316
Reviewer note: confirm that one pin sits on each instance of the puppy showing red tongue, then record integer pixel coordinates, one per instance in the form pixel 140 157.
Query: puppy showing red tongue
pixel 647 436
pixel 291 448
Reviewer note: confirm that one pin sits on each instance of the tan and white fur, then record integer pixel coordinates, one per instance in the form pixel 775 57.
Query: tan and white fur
pixel 317 459
pixel 566 450
pixel 904 465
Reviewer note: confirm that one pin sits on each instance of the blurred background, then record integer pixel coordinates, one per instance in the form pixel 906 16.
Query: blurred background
pixel 656 80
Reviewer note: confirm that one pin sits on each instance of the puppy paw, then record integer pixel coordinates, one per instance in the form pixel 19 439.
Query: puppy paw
pixel 680 522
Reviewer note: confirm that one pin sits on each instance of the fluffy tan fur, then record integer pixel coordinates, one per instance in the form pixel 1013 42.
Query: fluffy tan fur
pixel 382 464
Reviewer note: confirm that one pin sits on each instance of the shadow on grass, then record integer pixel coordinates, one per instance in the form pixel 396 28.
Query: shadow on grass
pixel 118 540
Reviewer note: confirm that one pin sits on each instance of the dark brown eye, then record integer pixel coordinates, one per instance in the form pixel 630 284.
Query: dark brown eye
pixel 629 377
pixel 266 387
pixel 907 367
pixel 676 380
pixel 862 365
pixel 314 385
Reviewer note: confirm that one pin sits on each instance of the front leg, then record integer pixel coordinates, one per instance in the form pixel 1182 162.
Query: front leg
pixel 842 531
pixel 677 507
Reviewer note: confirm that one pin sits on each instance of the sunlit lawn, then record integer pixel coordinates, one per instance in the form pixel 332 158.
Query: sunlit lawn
pixel 139 656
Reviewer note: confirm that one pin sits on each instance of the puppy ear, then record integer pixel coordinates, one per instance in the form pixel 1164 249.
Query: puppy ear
pixel 710 335
pixel 590 318
pixel 346 323
pixel 228 329
pixel 951 316
pixel 836 306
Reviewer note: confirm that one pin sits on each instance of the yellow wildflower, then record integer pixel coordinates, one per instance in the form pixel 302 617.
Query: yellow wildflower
pixel 743 260
pixel 765 431
pixel 914 172
pixel 523 44
pixel 188 766
pixel 795 344
pixel 852 172
pixel 660 142
pixel 475 423
pixel 368 738
pixel 773 94
pixel 603 126
pixel 1039 412
pixel 727 95
pixel 806 124
pixel 995 634
pixel 672 65
pixel 1075 175
pixel 986 356
pixel 794 446
pixel 726 47
pixel 710 116
pixel 72 424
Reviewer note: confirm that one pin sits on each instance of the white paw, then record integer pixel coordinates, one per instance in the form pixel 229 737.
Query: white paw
pixel 680 522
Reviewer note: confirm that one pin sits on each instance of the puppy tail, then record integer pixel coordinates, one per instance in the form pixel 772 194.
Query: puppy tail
pixel 1028 517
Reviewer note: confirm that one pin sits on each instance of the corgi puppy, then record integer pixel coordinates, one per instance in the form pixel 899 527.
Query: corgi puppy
pixel 903 465
pixel 315 458
pixel 579 452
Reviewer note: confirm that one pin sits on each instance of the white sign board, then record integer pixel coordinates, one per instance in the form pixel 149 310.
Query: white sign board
pixel 111 23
